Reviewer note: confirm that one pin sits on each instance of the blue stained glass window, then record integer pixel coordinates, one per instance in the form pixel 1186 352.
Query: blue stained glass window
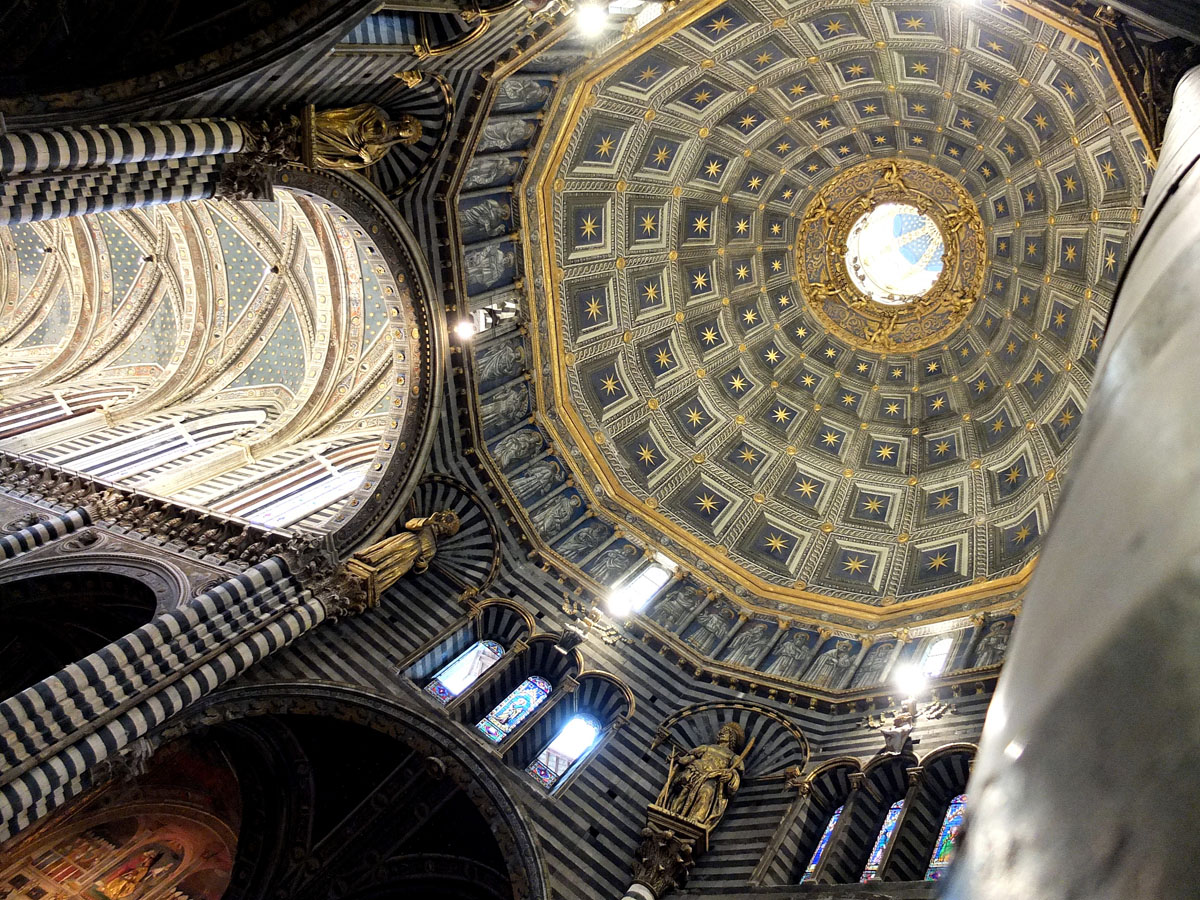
pixel 514 708
pixel 881 842
pixel 947 842
pixel 575 739
pixel 820 851
pixel 462 671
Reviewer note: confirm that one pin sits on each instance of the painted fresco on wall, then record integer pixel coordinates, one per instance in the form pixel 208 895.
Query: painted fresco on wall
pixel 750 644
pixel 138 841
pixel 833 664
pixel 138 873
pixel 485 217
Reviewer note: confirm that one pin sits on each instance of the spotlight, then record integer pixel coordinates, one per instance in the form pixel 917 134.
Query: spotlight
pixel 465 330
pixel 620 602
pixel 592 18
pixel 909 680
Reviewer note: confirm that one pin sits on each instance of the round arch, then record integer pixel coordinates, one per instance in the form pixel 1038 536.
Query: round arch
pixel 52 618
pixel 468 766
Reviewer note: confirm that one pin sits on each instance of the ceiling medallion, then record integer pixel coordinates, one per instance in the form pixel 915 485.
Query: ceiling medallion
pixel 891 255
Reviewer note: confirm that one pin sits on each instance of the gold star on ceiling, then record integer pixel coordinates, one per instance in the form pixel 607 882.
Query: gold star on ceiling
pixel 720 24
pixel 776 543
pixel 938 562
pixel 605 147
pixel 609 383
pixel 649 224
pixel 646 454
pixel 588 227
pixel 806 487
pixel 854 565
pixel 707 503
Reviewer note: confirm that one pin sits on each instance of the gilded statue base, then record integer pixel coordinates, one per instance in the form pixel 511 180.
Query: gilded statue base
pixel 668 851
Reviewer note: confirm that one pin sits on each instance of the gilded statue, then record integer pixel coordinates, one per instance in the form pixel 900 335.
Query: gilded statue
pixel 358 136
pixel 702 781
pixel 383 564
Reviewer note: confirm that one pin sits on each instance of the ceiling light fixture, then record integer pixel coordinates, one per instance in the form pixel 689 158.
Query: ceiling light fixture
pixel 592 18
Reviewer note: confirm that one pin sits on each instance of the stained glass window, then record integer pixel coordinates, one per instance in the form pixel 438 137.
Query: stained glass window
pixel 933 660
pixel 947 842
pixel 820 851
pixel 514 708
pixel 575 739
pixel 881 842
pixel 464 669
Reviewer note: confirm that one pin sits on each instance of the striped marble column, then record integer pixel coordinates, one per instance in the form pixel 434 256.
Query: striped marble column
pixel 73 171
pixel 54 526
pixel 68 149
pixel 51 734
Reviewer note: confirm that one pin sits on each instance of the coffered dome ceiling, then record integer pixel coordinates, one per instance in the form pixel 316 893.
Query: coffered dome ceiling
pixel 830 426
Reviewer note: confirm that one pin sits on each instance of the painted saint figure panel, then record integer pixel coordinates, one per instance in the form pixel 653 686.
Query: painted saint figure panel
pixel 514 708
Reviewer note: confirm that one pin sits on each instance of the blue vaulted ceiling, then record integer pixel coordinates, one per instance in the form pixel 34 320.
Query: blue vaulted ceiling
pixel 703 406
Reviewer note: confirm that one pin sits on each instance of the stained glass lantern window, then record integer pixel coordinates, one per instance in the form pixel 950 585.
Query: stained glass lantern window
pixel 881 842
pixel 515 708
pixel 463 671
pixel 821 845
pixel 575 739
pixel 947 842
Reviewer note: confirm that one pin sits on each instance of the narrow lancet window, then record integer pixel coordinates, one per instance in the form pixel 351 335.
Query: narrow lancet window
pixel 575 739
pixel 463 671
pixel 811 871
pixel 881 842
pixel 947 842
pixel 515 708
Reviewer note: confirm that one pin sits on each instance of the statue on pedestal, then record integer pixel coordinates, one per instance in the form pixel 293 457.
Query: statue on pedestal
pixel 383 564
pixel 358 136
pixel 700 784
